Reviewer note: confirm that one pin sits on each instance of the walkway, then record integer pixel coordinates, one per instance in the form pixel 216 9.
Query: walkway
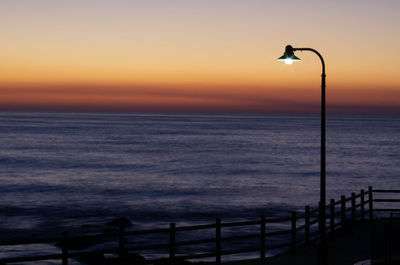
pixel 346 247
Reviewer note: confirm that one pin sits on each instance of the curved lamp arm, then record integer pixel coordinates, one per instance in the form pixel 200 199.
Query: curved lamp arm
pixel 317 53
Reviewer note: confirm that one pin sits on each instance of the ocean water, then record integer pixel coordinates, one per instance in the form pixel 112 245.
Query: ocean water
pixel 63 170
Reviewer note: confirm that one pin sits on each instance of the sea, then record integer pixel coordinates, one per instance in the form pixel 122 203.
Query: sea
pixel 68 170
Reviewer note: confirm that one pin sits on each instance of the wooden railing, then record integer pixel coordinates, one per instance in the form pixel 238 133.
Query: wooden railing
pixel 301 229
pixel 384 201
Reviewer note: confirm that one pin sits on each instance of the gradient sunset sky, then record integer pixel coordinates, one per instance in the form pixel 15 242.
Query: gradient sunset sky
pixel 199 55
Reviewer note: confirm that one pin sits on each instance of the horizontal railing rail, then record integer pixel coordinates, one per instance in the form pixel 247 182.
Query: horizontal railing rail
pixel 386 191
pixel 388 203
pixel 301 230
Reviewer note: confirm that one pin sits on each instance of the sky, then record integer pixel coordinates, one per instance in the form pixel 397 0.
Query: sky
pixel 216 56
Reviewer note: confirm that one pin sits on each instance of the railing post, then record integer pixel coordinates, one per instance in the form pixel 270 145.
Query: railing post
pixel 353 206
pixel 121 251
pixel 218 241
pixel 293 232
pixel 64 248
pixel 342 210
pixel 262 239
pixel 332 216
pixel 172 239
pixel 370 204
pixel 362 205
pixel 307 224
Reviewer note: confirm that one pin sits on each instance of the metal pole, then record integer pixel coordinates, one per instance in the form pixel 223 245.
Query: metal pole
pixel 322 244
pixel 323 247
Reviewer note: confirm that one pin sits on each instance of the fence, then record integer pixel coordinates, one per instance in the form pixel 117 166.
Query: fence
pixel 302 229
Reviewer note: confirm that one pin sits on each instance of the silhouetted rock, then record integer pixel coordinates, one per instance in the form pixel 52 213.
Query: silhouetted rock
pixel 120 222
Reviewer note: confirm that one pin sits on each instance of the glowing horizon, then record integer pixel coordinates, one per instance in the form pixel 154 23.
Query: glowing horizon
pixel 198 56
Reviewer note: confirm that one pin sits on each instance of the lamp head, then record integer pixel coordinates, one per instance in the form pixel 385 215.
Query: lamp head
pixel 288 57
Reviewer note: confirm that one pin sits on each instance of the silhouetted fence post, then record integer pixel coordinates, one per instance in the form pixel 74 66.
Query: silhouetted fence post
pixel 346 222
pixel 262 239
pixel 370 204
pixel 362 205
pixel 172 239
pixel 121 251
pixel 307 224
pixel 218 241
pixel 353 206
pixel 293 232
pixel 343 209
pixel 64 243
pixel 332 216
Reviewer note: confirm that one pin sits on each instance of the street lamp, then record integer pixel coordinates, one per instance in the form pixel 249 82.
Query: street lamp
pixel 288 57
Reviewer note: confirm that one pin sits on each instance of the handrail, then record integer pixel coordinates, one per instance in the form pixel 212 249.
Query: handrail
pixel 198 256
pixel 387 210
pixel 194 227
pixel 30 258
pixel 277 233
pixel 314 211
pixel 147 231
pixel 337 210
pixel 25 241
pixel 195 242
pixel 241 223
pixel 386 200
pixel 348 199
pixel 234 238
pixel 149 247
pixel 386 191
pixel 338 202
pixel 241 251
pixel 315 221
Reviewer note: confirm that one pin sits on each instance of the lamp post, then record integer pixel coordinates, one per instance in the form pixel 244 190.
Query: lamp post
pixel 288 57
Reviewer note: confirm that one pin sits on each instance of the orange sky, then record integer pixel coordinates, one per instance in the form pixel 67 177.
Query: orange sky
pixel 198 56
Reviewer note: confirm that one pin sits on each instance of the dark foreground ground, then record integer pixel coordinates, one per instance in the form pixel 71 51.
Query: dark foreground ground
pixel 379 240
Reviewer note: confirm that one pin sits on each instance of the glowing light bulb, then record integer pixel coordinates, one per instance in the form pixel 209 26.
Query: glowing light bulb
pixel 288 61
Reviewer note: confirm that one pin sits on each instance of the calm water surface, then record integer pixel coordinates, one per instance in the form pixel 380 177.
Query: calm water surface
pixel 63 170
